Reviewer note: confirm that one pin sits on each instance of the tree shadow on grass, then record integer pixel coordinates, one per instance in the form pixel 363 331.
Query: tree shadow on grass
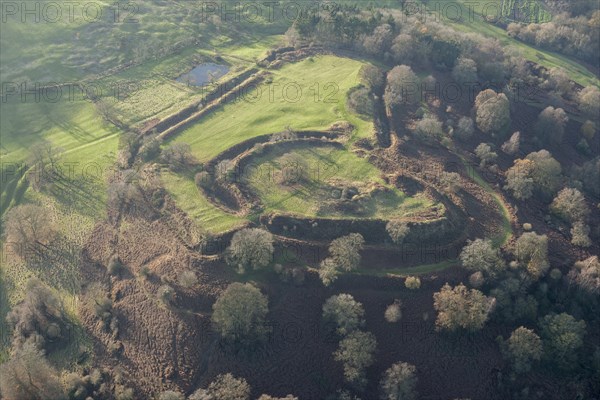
pixel 57 264
pixel 80 195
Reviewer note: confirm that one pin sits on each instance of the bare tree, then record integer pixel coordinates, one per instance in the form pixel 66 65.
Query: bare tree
pixel 45 169
pixel 29 375
pixel 178 156
pixel 40 317
pixel 29 229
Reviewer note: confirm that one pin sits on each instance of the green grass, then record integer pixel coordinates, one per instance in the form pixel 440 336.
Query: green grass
pixel 88 142
pixel 76 203
pixel 502 238
pixel 409 271
pixel 192 201
pixel 149 91
pixel 328 168
pixel 75 49
pixel 323 81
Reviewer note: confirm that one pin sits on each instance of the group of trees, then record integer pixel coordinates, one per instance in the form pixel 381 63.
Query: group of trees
pixel 344 255
pixel 566 34
pixel 539 173
pixel 408 40
pixel 356 348
pixel 570 205
pixel 561 335
pixel 250 249
pixel 29 375
pixel 223 387
pixel 38 320
pixel 462 308
pixel 40 326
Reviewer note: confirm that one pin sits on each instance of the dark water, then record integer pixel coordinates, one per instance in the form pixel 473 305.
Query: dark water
pixel 203 74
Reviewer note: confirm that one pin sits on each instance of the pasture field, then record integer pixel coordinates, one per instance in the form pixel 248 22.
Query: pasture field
pixel 149 91
pixel 327 172
pixel 190 199
pixel 89 146
pixel 311 93
pixel 75 203
pixel 69 41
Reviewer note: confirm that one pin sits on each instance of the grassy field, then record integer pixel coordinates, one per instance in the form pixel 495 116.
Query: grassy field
pixel 89 146
pixel 74 203
pixel 409 271
pixel 504 236
pixel 310 94
pixel 327 168
pixel 150 90
pixel 191 200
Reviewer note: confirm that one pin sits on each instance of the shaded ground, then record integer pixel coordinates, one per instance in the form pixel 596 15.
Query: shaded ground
pixel 165 347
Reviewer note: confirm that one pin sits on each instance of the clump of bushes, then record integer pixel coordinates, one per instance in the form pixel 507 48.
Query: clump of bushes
pixel 398 230
pixel 344 312
pixel 344 255
pixel 166 294
pixel 250 248
pixel 203 180
pixel 290 274
pixel 412 282
pixel 115 267
pixel 39 318
pixel 393 312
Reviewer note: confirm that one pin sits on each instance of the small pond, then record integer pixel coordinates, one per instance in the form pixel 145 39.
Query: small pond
pixel 203 74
